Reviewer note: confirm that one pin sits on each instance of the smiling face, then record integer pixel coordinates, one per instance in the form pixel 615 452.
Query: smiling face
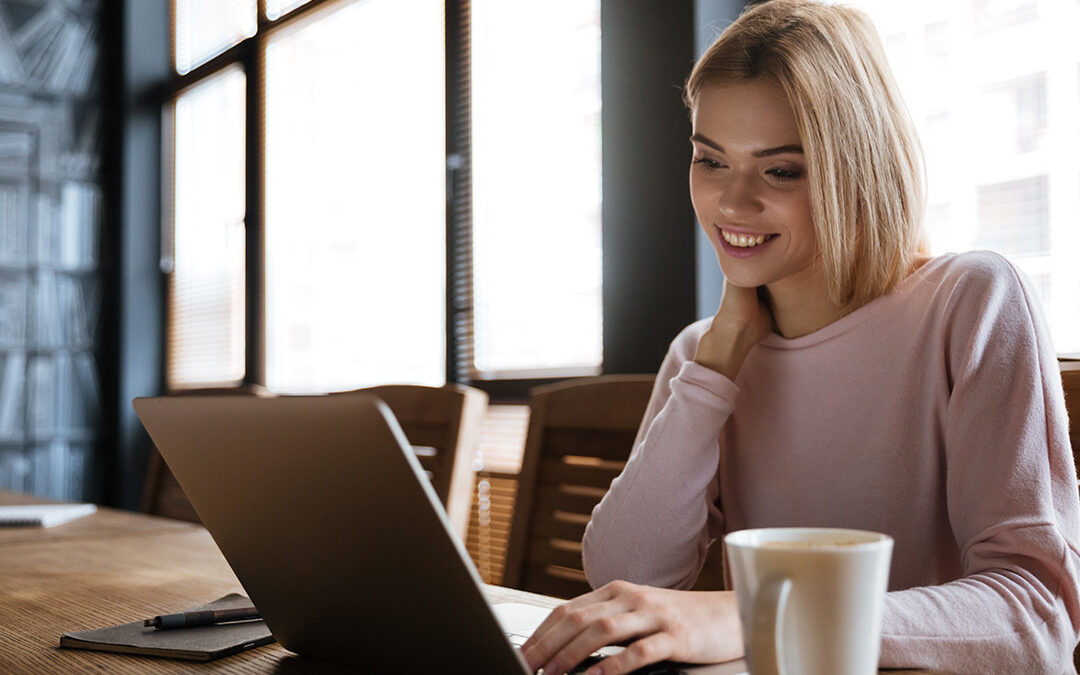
pixel 749 187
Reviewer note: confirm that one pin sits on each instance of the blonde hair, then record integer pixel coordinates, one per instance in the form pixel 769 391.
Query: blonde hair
pixel 864 160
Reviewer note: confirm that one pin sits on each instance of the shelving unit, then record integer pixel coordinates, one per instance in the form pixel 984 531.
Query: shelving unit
pixel 50 221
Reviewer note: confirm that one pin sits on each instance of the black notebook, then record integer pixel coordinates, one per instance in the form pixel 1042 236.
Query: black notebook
pixel 201 643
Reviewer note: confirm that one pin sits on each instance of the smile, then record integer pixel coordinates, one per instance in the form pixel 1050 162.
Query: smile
pixel 745 240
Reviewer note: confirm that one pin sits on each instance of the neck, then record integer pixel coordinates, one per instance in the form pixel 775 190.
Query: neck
pixel 801 305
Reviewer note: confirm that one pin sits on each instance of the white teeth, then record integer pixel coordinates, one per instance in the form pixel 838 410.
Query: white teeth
pixel 743 240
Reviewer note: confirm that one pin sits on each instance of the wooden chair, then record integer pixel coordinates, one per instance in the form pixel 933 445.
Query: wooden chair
pixel 1070 380
pixel 443 425
pixel 580 435
pixel 162 495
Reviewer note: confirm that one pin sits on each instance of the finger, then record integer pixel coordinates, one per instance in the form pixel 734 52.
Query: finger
pixel 554 616
pixel 599 596
pixel 561 626
pixel 606 630
pixel 650 649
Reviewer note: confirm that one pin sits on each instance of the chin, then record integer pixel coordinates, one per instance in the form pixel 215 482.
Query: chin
pixel 742 277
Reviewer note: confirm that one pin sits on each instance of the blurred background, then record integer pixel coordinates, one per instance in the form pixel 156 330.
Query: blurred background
pixel 318 196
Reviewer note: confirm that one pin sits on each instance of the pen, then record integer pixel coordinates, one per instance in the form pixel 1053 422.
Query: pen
pixel 204 617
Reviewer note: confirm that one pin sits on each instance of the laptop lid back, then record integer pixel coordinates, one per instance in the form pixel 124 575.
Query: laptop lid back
pixel 329 522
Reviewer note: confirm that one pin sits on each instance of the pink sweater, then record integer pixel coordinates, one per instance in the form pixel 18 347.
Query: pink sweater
pixel 934 414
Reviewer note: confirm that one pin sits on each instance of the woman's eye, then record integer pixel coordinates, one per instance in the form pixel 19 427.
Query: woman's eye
pixel 784 174
pixel 708 163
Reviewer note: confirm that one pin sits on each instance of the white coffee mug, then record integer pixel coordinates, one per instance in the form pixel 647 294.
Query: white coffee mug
pixel 810 599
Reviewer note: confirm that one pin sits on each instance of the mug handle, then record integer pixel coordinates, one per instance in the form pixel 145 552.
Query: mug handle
pixel 766 635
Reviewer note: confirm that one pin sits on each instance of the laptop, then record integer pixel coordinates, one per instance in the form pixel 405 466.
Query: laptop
pixel 327 519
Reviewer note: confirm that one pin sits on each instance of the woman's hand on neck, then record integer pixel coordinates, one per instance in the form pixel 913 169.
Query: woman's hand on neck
pixel 741 322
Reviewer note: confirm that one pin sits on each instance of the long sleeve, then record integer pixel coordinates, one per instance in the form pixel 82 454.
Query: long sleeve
pixel 656 521
pixel 1011 498
pixel 934 414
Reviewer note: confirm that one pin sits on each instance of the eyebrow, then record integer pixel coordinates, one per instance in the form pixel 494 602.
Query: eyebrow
pixel 768 152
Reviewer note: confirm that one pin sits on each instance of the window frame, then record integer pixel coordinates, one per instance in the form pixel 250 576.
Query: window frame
pixel 248 54
pixel 167 260
pixel 641 266
pixel 653 40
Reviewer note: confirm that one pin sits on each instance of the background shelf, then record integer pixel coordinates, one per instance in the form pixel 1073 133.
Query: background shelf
pixel 50 224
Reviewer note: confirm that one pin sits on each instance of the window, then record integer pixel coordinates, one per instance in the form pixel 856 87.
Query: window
pixel 1018 107
pixel 355 198
pixel 536 189
pixel 1013 217
pixel 205 28
pixel 994 14
pixel 275 9
pixel 936 39
pixel 998 114
pixel 355 264
pixel 336 117
pixel 206 280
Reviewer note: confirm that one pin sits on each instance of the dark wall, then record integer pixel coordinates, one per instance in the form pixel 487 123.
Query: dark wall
pixel 137 350
pixel 648 223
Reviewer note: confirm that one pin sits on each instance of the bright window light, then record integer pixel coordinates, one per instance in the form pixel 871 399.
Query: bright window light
pixel 355 198
pixel 205 28
pixel 992 86
pixel 278 8
pixel 206 287
pixel 536 187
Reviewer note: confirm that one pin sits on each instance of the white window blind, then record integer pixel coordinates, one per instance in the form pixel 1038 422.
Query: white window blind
pixel 498 461
pixel 992 86
pixel 536 188
pixel 503 439
pixel 206 284
pixel 355 198
pixel 279 8
pixel 205 28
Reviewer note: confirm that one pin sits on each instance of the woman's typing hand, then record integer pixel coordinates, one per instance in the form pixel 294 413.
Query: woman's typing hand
pixel 742 321
pixel 654 623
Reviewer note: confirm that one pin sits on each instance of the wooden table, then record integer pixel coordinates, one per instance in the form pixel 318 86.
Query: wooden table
pixel 114 567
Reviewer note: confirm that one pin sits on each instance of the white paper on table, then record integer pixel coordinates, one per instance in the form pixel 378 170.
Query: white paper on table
pixel 42 515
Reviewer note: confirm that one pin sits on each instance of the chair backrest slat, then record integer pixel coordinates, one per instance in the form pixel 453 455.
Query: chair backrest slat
pixel 557 471
pixel 1070 380
pixel 581 433
pixel 589 443
pixel 443 425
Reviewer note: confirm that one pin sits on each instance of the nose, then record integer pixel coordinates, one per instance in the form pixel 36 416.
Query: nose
pixel 738 198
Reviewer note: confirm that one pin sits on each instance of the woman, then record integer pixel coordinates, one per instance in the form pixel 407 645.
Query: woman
pixel 845 381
